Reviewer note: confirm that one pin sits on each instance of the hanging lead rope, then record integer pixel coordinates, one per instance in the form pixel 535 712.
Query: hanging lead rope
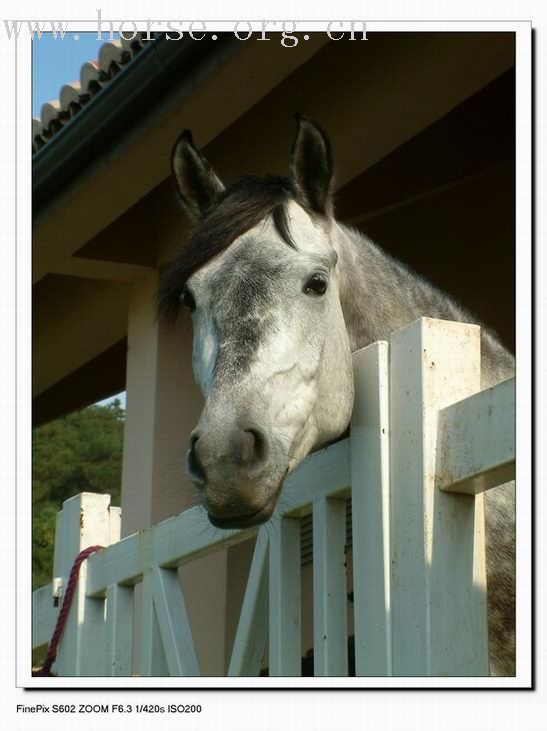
pixel 45 670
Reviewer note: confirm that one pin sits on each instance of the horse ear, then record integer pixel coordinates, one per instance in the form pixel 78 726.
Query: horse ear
pixel 196 182
pixel 312 167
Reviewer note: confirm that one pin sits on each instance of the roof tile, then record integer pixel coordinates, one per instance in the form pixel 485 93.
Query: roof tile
pixel 94 75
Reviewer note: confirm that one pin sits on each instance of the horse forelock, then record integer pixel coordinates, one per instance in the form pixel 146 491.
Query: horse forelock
pixel 237 209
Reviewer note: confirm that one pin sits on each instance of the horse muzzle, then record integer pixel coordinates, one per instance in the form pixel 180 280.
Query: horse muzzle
pixel 232 469
pixel 244 520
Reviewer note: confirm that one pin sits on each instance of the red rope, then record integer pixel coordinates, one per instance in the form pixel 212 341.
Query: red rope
pixel 65 608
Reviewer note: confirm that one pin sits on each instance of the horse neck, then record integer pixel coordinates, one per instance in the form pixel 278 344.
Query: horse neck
pixel 379 294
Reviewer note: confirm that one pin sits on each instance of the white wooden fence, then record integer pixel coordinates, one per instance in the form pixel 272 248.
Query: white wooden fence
pixel 425 443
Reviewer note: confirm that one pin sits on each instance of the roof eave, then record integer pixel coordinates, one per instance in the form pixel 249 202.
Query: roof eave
pixel 121 104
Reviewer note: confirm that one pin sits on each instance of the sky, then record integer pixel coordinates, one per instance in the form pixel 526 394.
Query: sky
pixel 54 63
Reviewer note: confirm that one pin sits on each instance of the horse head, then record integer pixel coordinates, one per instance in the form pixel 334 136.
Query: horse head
pixel 260 275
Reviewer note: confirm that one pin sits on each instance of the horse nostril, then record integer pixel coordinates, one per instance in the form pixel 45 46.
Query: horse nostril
pixel 194 466
pixel 253 446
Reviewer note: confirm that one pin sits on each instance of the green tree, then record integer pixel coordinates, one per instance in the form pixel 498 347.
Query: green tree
pixel 81 452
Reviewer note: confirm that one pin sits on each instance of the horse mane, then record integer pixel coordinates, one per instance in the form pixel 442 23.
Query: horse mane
pixel 237 209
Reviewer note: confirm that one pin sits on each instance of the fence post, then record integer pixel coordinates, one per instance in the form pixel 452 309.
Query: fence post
pixel 285 650
pixel 85 520
pixel 119 630
pixel 330 588
pixel 438 586
pixel 370 511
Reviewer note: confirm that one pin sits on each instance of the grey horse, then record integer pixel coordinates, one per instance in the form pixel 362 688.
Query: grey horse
pixel 281 294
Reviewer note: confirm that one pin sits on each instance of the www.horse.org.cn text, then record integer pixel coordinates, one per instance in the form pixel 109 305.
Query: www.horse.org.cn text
pixel 288 33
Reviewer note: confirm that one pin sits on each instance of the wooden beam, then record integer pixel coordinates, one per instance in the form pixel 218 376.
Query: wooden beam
pixel 109 271
pixel 173 623
pixel 476 441
pixel 99 378
pixel 252 631
pixel 73 321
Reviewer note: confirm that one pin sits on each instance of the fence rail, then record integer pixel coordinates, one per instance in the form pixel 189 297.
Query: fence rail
pixel 425 443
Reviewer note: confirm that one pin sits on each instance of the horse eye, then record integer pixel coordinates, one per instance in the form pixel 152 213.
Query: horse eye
pixel 187 299
pixel 316 284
